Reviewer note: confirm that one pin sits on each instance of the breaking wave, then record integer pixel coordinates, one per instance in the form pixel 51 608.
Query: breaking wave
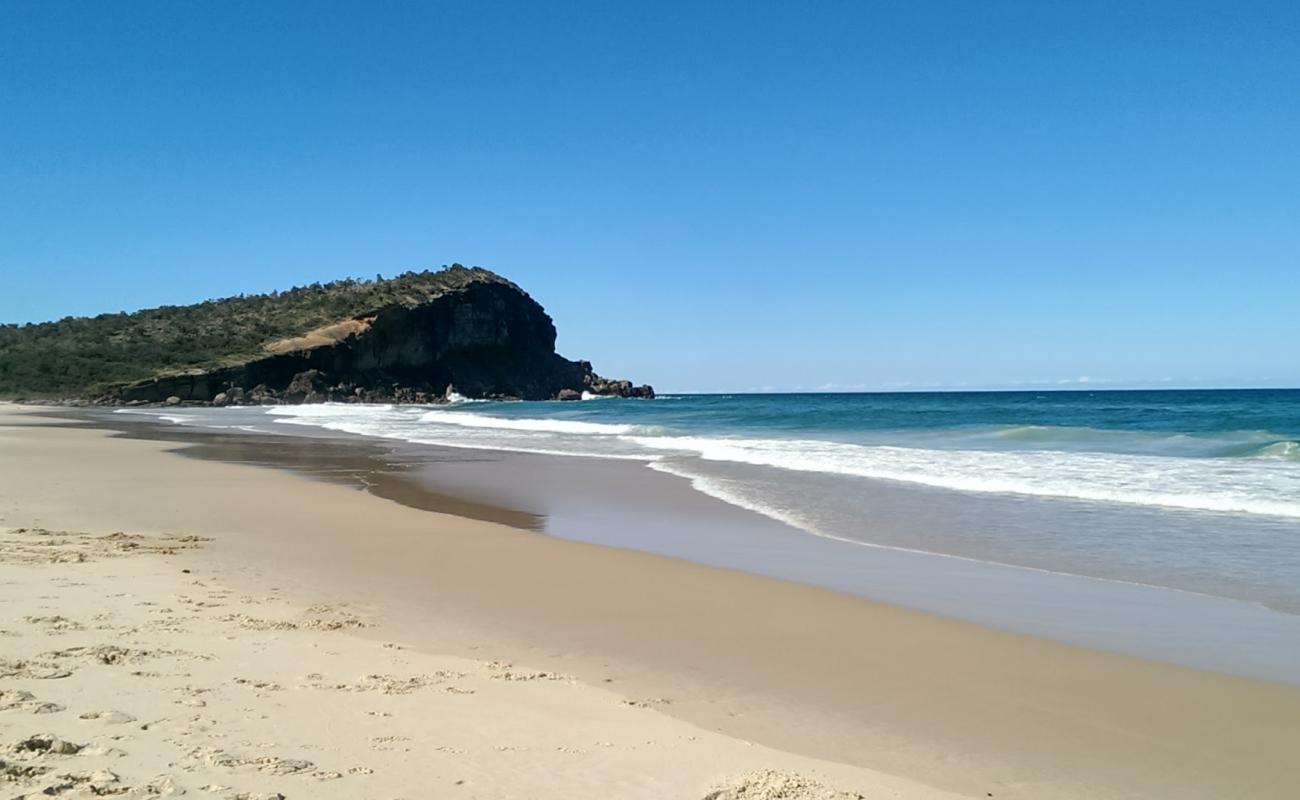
pixel 1254 472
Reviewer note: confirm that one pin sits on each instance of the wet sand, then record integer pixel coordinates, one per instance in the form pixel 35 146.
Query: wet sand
pixel 797 669
pixel 622 503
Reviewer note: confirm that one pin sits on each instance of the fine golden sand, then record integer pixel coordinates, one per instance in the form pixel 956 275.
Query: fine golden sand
pixel 173 625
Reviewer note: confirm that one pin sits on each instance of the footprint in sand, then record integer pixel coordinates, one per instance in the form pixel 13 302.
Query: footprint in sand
pixel 503 671
pixel 39 670
pixel 82 784
pixel 654 701
pixel 511 675
pixel 16 699
pixel 267 765
pixel 55 623
pixel 108 717
pixel 266 686
pixel 43 744
pixel 191 696
pixel 112 655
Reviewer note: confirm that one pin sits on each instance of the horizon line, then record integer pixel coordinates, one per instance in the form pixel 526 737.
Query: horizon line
pixel 976 390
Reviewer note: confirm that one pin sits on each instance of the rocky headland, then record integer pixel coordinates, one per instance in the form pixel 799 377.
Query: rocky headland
pixel 435 336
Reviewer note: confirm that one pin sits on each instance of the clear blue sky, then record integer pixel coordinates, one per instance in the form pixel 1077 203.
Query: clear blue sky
pixel 708 196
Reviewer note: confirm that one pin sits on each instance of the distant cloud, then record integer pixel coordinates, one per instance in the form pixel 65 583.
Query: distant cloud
pixel 842 387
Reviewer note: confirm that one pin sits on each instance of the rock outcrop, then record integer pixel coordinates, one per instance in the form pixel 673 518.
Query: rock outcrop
pixel 482 338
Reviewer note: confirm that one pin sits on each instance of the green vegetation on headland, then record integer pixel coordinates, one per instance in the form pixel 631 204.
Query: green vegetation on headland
pixel 85 356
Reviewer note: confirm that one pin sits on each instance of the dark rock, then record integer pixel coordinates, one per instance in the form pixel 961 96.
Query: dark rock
pixel 221 399
pixel 308 386
pixel 618 388
pixel 262 395
pixel 569 394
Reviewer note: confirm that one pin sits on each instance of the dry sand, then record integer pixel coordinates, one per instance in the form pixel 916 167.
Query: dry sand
pixel 124 673
pixel 250 633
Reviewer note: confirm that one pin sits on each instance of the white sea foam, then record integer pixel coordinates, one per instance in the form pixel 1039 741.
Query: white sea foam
pixel 456 398
pixel 1267 484
pixel 468 420
pixel 1222 485
pixel 330 410
pixel 464 430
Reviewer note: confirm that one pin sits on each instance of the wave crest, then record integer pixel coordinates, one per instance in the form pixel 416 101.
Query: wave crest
pixel 468 420
pixel 1282 451
pixel 1217 485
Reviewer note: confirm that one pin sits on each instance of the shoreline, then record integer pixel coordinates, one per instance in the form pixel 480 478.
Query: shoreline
pixel 906 693
pixel 614 502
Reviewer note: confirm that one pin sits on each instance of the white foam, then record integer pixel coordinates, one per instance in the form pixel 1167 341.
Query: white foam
pixel 328 410
pixel 1257 486
pixel 462 430
pixel 468 420
pixel 1219 485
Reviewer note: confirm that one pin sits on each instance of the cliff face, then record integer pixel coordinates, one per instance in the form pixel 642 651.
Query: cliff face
pixel 484 338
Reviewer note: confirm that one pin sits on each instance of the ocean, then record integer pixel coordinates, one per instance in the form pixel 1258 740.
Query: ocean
pixel 1197 490
pixel 950 502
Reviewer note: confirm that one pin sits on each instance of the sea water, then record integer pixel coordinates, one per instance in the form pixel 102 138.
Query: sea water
pixel 1197 490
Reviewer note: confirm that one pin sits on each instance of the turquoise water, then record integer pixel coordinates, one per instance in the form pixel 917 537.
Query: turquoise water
pixel 1191 490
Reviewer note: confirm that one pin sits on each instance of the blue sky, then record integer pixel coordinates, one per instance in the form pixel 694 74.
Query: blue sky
pixel 708 196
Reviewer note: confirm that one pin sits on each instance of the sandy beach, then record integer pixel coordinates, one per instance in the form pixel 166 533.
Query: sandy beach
pixel 171 625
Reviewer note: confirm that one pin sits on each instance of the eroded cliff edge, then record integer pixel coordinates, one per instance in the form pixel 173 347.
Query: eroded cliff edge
pixel 479 337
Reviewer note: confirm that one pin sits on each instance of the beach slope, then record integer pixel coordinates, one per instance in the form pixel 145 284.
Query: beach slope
pixel 172 624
